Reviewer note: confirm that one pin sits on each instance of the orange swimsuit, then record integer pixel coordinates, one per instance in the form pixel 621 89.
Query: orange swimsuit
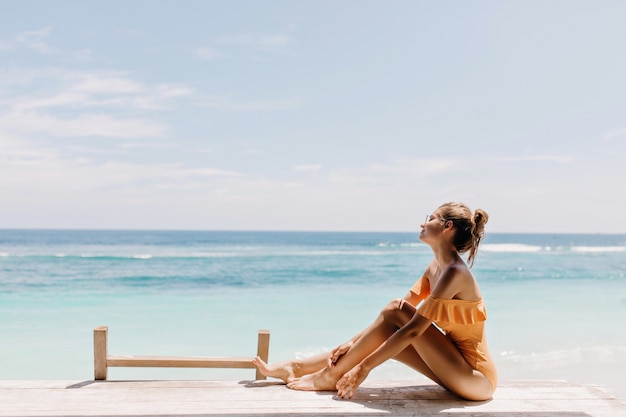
pixel 463 322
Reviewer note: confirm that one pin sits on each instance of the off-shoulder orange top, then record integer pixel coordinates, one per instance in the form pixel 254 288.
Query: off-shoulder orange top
pixel 463 322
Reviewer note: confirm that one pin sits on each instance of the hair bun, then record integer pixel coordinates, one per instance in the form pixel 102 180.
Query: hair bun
pixel 480 217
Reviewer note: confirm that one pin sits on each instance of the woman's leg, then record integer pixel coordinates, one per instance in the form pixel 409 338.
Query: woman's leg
pixel 443 358
pixel 412 359
pixel 395 315
pixel 297 368
pixel 431 354
pixel 292 369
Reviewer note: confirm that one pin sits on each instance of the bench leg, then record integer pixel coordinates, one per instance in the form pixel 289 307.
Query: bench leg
pixel 263 350
pixel 100 352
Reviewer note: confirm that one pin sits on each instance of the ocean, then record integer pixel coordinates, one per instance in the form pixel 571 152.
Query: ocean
pixel 556 303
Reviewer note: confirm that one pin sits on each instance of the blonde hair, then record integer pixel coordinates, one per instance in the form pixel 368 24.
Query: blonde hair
pixel 469 227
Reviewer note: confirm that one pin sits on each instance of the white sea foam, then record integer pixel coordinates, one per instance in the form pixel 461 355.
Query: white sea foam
pixel 312 351
pixel 4 254
pixel 560 357
pixel 412 245
pixel 598 249
pixel 145 256
pixel 402 245
pixel 208 255
pixel 512 247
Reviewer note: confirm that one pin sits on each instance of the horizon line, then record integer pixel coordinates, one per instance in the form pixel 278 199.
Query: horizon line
pixel 59 229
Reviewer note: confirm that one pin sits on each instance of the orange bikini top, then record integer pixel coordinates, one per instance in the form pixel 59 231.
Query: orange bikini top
pixel 441 310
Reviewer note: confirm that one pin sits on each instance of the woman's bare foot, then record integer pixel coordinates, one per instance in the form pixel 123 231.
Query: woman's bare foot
pixel 284 370
pixel 318 381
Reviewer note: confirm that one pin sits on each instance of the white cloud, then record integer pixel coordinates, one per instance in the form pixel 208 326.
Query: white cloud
pixel 14 77
pixel 132 32
pixel 420 167
pixel 79 101
pixel 102 84
pixel 535 158
pixel 15 151
pixel 615 133
pixel 84 125
pixel 205 53
pixel 267 43
pixel 35 39
pixel 171 90
pixel 253 39
pixel 182 173
pixel 145 145
pixel 87 83
pixel 89 101
pixel 308 167
pixel 65 99
pixel 25 166
pixel 437 166
pixel 219 197
pixel 223 102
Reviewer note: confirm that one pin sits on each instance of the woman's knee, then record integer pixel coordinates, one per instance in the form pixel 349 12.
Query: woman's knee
pixel 394 305
pixel 393 312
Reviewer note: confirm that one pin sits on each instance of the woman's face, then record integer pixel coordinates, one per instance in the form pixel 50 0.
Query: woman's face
pixel 432 227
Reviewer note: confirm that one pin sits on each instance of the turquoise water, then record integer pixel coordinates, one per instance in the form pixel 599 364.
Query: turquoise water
pixel 556 303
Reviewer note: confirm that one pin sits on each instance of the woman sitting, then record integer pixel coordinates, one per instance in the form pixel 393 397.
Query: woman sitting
pixel 436 329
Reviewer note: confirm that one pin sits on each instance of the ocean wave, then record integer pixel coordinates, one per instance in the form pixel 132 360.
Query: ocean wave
pixel 141 256
pixel 200 255
pixel 119 256
pixel 598 249
pixel 566 356
pixel 379 250
pixel 401 245
pixel 335 253
pixel 513 247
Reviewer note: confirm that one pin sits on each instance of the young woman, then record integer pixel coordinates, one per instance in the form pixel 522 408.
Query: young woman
pixel 443 337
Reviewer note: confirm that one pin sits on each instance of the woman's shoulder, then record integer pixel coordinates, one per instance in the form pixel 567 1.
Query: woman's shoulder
pixel 457 271
pixel 457 281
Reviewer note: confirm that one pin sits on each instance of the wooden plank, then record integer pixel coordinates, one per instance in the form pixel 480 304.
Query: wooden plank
pixel 179 362
pixel 100 352
pixel 263 350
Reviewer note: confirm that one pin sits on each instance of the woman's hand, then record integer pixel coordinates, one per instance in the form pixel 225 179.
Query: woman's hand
pixel 350 381
pixel 338 352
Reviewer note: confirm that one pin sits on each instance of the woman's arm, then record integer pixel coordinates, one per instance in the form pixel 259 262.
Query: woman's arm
pixel 342 349
pixel 411 297
pixel 350 381
pixel 397 342
pixel 447 286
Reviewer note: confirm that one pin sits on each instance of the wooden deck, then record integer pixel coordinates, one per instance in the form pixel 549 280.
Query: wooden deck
pixel 269 398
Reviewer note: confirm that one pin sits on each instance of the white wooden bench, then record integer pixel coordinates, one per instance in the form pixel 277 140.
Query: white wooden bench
pixel 103 361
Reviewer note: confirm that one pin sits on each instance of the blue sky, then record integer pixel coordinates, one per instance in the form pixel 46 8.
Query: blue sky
pixel 312 115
